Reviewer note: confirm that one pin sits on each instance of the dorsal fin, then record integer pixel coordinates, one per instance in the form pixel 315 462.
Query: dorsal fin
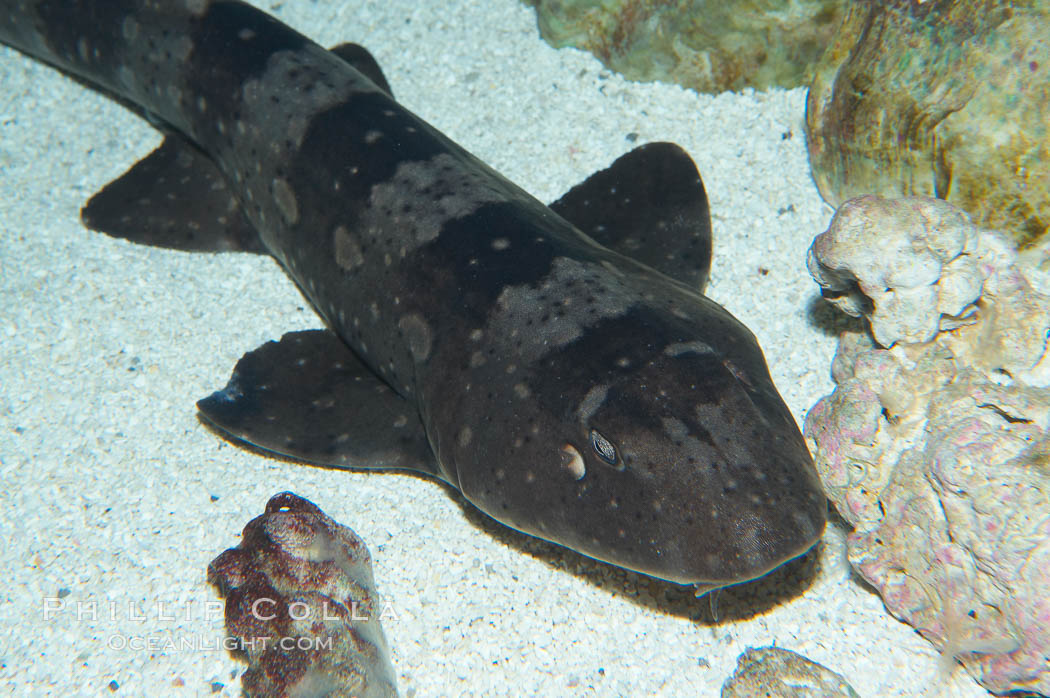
pixel 361 60
pixel 649 205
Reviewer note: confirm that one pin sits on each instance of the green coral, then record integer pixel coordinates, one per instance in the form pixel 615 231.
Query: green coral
pixel 708 46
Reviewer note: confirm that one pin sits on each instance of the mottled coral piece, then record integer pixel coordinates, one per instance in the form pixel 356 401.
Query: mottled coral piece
pixel 774 672
pixel 940 98
pixel 938 452
pixel 301 600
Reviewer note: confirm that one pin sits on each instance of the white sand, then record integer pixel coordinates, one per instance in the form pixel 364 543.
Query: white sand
pixel 114 491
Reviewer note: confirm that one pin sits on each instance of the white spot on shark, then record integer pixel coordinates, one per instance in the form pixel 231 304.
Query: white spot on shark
pixel 591 402
pixel 418 335
pixel 284 197
pixel 197 7
pixel 696 347
pixel 130 28
pixel 675 428
pixel 464 437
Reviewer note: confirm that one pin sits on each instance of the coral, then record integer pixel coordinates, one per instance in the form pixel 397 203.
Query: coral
pixel 923 275
pixel 710 47
pixel 301 601
pixel 778 673
pixel 941 98
pixel 937 449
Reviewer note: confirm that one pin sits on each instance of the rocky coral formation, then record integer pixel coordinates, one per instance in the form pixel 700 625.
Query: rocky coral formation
pixel 301 600
pixel 941 98
pixel 708 46
pixel 778 673
pixel 935 444
pixel 923 278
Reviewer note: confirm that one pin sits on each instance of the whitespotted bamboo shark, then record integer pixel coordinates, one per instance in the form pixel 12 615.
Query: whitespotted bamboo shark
pixel 558 365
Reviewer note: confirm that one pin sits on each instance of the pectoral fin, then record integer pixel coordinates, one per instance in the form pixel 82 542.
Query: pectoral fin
pixel 309 397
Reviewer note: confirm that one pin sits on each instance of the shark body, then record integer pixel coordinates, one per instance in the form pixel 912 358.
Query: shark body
pixel 558 364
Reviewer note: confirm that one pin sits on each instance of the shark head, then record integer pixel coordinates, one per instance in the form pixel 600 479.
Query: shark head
pixel 637 446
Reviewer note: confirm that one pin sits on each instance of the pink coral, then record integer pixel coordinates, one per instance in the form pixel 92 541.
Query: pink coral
pixel 937 451
pixel 301 600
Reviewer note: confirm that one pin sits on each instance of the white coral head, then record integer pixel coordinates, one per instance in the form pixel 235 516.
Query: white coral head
pixel 902 263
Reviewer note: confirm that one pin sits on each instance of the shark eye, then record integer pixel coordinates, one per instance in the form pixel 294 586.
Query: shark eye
pixel 603 447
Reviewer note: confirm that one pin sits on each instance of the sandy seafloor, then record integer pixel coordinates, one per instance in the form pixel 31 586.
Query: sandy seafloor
pixel 115 495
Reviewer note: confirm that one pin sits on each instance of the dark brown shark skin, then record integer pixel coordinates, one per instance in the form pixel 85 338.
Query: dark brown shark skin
pixel 568 389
